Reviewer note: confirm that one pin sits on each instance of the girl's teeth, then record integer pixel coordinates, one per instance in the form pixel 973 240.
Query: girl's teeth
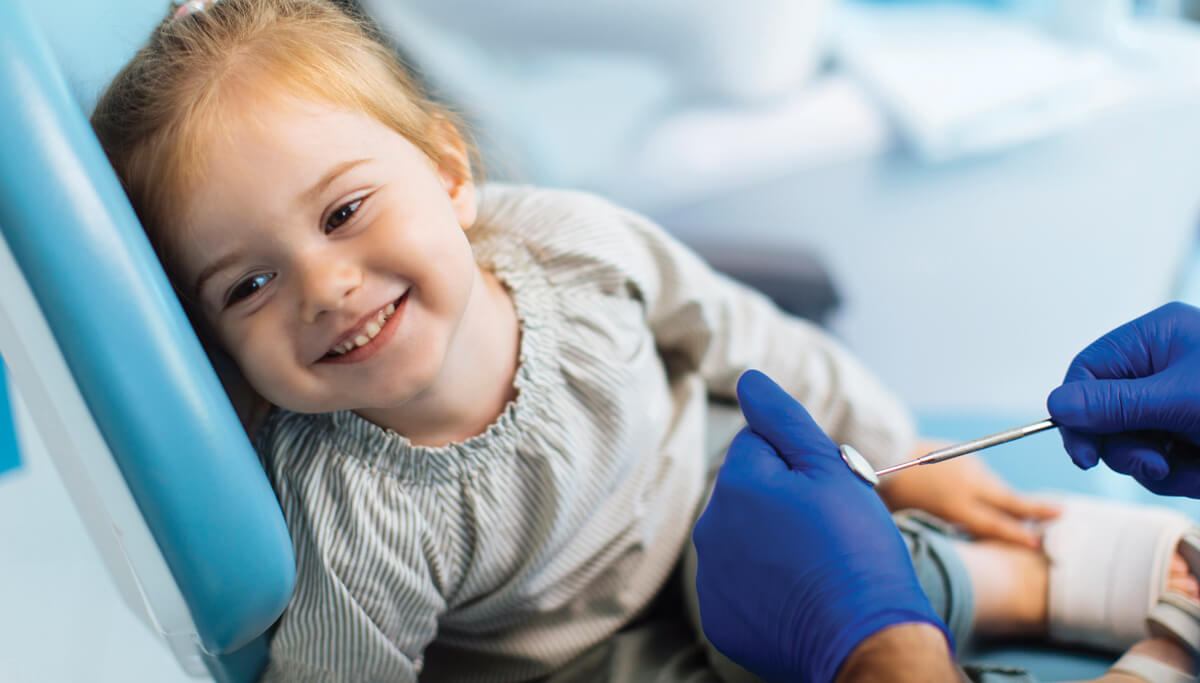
pixel 371 329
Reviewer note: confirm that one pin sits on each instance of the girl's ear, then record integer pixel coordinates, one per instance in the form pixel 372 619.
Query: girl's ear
pixel 454 168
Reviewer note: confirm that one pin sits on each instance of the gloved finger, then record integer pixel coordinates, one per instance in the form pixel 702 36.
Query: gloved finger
pixel 749 462
pixel 1109 406
pixel 1135 455
pixel 1122 353
pixel 1139 348
pixel 1183 480
pixel 785 424
pixel 1084 449
pixel 985 521
pixel 750 456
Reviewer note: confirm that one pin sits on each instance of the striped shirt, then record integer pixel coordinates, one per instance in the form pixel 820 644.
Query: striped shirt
pixel 502 557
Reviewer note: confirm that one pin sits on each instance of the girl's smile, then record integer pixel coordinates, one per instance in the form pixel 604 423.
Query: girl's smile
pixel 362 341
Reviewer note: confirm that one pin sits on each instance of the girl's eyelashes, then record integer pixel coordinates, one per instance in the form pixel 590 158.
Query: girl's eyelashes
pixel 342 214
pixel 248 287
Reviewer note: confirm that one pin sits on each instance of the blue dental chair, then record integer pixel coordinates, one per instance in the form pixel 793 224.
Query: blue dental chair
pixel 141 432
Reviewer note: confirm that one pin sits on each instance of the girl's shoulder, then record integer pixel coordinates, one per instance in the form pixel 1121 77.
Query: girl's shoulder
pixel 570 233
pixel 542 214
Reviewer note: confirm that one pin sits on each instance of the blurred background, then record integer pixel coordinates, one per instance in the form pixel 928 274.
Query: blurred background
pixel 966 193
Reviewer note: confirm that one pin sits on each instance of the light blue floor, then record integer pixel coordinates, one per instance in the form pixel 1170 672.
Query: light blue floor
pixel 61 619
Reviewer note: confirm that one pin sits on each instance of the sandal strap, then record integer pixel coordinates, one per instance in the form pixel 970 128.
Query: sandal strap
pixel 1176 622
pixel 1150 669
pixel 1175 617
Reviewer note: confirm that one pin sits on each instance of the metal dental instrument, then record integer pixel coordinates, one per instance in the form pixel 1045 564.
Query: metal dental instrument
pixel 859 465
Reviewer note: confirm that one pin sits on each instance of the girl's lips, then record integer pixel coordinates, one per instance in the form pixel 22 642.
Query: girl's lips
pixel 369 349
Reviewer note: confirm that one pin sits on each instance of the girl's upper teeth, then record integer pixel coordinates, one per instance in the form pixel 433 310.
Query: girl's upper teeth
pixel 368 332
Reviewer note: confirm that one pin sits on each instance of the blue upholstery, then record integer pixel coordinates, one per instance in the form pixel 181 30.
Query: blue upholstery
pixel 138 365
pixel 9 458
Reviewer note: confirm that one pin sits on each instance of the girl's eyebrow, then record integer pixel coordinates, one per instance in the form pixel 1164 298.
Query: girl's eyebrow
pixel 212 269
pixel 309 195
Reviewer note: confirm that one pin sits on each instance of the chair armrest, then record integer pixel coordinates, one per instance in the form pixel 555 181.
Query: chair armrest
pixel 795 278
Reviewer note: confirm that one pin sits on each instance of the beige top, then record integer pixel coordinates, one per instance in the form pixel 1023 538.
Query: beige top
pixel 502 557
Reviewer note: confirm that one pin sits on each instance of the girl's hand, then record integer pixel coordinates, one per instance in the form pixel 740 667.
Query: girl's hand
pixel 965 492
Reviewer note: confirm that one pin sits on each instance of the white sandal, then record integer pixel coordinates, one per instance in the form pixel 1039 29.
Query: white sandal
pixel 1108 574
pixel 1175 617
pixel 1149 669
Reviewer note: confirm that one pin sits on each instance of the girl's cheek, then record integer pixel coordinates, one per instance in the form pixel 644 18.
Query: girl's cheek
pixel 241 339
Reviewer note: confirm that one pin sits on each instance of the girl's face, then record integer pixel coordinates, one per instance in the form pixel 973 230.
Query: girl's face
pixel 328 253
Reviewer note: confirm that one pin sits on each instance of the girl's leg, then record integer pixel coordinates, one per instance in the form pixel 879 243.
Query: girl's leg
pixel 995 588
pixel 1011 586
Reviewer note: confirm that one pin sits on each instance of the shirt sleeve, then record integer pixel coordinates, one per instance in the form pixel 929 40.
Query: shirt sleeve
pixel 370 576
pixel 723 328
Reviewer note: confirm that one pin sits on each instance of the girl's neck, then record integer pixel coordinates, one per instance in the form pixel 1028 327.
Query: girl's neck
pixel 476 382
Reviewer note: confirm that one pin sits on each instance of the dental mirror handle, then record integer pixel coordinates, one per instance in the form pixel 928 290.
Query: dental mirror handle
pixel 943 454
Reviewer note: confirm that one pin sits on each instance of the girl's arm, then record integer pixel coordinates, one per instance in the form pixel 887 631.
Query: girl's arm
pixel 724 328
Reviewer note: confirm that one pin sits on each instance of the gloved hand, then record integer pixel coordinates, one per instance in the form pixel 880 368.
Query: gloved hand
pixel 1132 399
pixel 799 561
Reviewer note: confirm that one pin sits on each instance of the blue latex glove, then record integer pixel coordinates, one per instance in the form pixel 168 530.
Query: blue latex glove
pixel 799 561
pixel 1132 399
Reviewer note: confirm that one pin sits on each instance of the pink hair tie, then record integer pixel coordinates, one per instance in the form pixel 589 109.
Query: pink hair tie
pixel 191 6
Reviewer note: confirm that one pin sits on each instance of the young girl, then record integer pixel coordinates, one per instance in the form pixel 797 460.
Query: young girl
pixel 491 402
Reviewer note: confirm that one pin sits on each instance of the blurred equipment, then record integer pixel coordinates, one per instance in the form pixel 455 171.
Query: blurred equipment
pixel 916 151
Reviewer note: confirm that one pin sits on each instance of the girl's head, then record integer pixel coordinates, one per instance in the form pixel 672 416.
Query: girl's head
pixel 300 190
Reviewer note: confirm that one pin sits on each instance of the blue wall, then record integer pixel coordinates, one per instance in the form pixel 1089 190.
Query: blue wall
pixel 93 39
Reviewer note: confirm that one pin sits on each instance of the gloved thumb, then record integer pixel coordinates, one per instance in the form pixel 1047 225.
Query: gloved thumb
pixel 784 423
pixel 1107 406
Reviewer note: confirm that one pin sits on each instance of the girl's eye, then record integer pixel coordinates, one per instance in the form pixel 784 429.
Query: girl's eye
pixel 341 215
pixel 248 287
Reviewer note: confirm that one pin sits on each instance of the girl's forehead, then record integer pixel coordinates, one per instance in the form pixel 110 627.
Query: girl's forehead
pixel 266 164
pixel 279 120
pixel 281 137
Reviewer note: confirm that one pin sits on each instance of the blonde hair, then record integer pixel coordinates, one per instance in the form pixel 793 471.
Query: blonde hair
pixel 163 108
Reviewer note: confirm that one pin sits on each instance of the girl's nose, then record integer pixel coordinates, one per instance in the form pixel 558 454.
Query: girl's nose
pixel 326 284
